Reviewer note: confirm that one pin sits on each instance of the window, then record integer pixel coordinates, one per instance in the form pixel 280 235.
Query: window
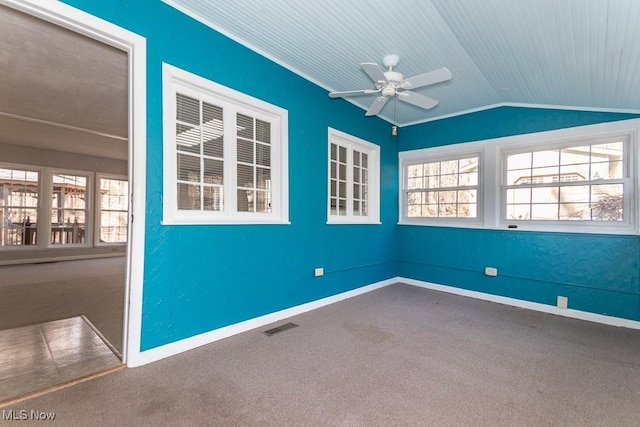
pixel 225 154
pixel 43 208
pixel 577 181
pixel 114 208
pixel 443 189
pixel 68 208
pixel 354 180
pixel 580 179
pixel 19 190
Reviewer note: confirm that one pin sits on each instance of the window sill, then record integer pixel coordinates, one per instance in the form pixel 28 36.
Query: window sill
pixel 202 222
pixel 352 222
pixel 624 230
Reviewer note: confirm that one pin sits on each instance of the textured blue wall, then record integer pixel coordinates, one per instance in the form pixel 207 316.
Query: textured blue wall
pixel 599 273
pixel 199 278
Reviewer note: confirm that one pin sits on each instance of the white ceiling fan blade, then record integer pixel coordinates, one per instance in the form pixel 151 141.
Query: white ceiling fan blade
pixel 377 105
pixel 374 71
pixel 353 93
pixel 428 78
pixel 417 99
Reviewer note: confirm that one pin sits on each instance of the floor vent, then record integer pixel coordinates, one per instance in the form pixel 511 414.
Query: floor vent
pixel 279 329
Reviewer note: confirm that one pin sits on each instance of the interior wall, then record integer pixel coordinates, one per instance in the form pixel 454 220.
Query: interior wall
pixel 22 155
pixel 598 273
pixel 199 278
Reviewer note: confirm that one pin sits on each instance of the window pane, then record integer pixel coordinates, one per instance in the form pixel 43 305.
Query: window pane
pixel 519 161
pixel 188 196
pixel 213 171
pixel 188 168
pixel 263 131
pixel 544 211
pixel 246 200
pixel 449 167
pixel 187 138
pixel 607 202
pixel 213 198
pixel 245 176
pixel 342 207
pixel 545 195
pixel 263 178
pixel 429 211
pixel 518 211
pixel 187 109
pixel 263 155
pixel 545 158
pixel 212 131
pixel 575 155
pixel 470 178
pixel 574 193
pixel 575 211
pixel 342 154
pixel 263 201
pixel 245 151
pixel 448 181
pixel 519 195
pixel 413 183
pixel 244 126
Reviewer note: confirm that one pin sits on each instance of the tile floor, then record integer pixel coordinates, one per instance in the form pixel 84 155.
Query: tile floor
pixel 38 357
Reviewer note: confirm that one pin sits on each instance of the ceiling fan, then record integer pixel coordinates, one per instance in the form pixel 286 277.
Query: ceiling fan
pixel 392 83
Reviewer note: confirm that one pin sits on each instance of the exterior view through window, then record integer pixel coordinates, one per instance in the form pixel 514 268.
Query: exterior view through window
pixel 584 182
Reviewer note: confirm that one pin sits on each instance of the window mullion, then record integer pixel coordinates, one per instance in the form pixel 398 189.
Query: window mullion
pixel 230 166
pixel 45 190
pixel 349 181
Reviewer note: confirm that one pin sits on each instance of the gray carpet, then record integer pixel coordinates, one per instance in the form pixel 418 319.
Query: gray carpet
pixel 397 356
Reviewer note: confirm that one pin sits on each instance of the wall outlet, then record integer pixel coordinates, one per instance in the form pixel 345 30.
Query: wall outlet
pixel 318 272
pixel 563 302
pixel 491 271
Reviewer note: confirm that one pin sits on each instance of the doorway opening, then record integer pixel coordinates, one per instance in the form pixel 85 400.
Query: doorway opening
pixel 69 293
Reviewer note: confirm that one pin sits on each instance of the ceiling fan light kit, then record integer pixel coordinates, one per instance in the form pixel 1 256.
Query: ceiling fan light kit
pixel 392 83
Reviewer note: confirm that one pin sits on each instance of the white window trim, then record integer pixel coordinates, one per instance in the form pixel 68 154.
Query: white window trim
pixel 176 80
pixel 373 152
pixel 491 193
pixel 437 155
pixel 98 208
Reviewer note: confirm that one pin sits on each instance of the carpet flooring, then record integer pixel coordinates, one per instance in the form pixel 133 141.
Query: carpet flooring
pixel 397 356
pixel 37 293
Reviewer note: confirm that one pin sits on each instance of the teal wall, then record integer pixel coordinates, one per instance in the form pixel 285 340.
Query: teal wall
pixel 199 278
pixel 598 273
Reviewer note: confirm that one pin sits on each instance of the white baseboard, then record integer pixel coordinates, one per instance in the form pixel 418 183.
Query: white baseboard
pixel 190 343
pixel 575 314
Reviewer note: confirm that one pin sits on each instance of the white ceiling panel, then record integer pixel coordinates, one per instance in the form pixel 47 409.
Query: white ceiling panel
pixel 570 53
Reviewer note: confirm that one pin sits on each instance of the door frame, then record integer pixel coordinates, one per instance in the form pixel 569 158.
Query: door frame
pixel 103 31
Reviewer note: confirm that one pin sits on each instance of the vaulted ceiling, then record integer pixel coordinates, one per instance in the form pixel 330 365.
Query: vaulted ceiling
pixel 582 54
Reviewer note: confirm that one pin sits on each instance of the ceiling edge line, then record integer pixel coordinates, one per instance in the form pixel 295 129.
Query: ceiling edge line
pixel 525 105
pixel 63 126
